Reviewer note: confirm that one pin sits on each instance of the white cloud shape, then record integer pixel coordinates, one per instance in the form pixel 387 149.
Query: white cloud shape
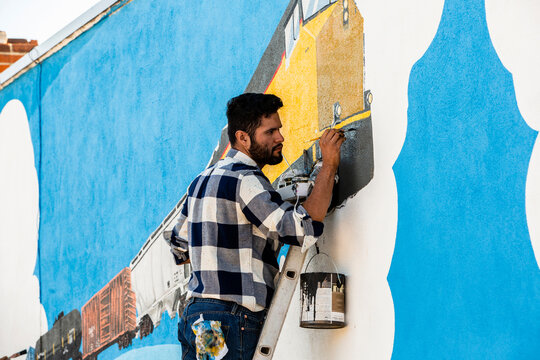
pixel 21 314
pixel 515 32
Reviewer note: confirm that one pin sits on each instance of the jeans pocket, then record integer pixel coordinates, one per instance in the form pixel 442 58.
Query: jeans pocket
pixel 213 333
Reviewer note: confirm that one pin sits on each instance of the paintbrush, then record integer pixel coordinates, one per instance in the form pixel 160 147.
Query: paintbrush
pixel 318 137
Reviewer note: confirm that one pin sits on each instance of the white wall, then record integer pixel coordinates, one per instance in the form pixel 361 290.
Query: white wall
pixel 21 314
pixel 514 27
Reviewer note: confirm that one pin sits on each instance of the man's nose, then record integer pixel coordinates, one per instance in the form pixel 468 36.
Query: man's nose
pixel 280 137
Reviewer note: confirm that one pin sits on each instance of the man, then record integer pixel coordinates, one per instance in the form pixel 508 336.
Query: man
pixel 231 228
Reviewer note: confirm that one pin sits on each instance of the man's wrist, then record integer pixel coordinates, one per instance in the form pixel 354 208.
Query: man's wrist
pixel 332 168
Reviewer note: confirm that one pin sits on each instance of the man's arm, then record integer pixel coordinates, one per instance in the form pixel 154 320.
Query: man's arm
pixel 319 200
pixel 275 218
pixel 265 209
pixel 178 238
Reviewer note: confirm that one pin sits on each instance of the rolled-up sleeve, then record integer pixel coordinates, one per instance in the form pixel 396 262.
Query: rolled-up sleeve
pixel 275 218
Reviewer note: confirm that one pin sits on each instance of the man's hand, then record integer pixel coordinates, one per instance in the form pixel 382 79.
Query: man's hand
pixel 330 144
pixel 319 200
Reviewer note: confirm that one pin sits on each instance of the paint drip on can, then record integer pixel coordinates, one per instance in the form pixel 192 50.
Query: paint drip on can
pixel 322 299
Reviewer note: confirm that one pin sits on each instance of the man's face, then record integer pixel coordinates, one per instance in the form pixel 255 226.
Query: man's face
pixel 267 142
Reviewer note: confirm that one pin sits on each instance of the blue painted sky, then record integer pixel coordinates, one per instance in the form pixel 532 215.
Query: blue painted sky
pixel 464 280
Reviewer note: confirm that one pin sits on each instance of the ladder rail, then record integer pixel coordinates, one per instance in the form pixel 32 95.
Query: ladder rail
pixel 279 306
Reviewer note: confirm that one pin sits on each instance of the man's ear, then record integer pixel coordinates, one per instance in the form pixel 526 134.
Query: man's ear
pixel 243 138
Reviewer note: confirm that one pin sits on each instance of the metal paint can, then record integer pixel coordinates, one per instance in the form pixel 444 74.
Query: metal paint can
pixel 322 299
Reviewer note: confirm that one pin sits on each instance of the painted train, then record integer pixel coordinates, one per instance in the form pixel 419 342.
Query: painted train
pixel 315 63
pixel 131 303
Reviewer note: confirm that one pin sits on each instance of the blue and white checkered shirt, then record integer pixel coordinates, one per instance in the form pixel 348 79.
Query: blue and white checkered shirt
pixel 233 224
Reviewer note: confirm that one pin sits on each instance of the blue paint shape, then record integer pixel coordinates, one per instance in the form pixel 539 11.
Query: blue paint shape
pixel 283 254
pixel 464 279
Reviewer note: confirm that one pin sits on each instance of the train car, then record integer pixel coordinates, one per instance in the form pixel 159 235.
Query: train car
pixel 63 340
pixel 109 317
pixel 315 64
pixel 159 284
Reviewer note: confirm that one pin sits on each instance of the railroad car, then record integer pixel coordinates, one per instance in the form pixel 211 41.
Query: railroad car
pixel 63 340
pixel 109 317
pixel 159 284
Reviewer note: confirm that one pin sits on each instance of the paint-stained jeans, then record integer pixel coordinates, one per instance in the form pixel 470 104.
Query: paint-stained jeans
pixel 241 327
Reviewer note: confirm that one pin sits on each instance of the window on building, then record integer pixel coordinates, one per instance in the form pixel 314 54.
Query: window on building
pixel 310 7
pixel 292 31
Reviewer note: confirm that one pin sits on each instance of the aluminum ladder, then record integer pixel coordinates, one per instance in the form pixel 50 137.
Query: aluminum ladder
pixel 280 303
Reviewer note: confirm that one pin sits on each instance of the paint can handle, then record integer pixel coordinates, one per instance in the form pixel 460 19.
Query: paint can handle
pixel 331 260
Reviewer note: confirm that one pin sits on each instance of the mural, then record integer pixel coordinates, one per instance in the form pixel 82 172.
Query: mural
pixel 121 310
pixel 159 285
pixel 315 62
pixel 119 128
pixel 360 236
pixel 88 231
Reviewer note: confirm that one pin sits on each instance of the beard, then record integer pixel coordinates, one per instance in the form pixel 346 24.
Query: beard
pixel 264 156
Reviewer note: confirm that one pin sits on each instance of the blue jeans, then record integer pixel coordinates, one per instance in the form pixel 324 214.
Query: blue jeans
pixel 241 327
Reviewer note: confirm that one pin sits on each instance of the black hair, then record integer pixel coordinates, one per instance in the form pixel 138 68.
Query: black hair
pixel 245 111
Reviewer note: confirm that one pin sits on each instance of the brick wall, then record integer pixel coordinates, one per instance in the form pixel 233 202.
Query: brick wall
pixel 12 50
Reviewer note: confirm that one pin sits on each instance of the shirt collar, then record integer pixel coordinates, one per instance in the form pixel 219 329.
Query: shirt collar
pixel 241 157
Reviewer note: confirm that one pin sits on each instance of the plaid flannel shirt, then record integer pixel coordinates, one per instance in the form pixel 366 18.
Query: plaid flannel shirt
pixel 232 225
